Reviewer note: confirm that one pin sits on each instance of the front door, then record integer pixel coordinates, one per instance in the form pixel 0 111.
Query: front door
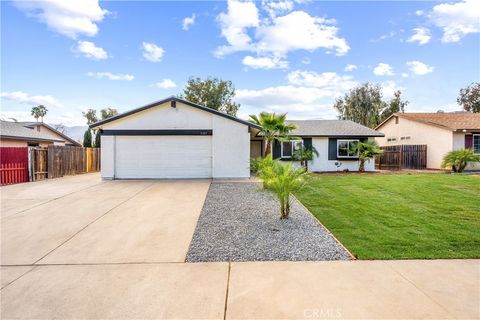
pixel 255 149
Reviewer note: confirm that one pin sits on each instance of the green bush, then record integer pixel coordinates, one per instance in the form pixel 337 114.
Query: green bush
pixel 282 179
pixel 457 160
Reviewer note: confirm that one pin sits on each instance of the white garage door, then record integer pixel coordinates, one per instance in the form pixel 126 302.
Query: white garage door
pixel 146 157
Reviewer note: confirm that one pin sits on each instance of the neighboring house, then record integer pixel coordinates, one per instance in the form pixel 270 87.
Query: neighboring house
pixel 174 138
pixel 47 130
pixel 333 140
pixel 441 132
pixel 16 134
pixel 32 134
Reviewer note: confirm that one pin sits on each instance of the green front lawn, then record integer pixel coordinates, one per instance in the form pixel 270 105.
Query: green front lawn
pixel 399 216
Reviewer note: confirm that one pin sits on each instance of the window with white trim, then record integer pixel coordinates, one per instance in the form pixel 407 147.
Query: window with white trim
pixel 476 143
pixel 287 148
pixel 346 148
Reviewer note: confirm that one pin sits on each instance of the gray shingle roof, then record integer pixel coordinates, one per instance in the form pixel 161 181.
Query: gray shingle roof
pixel 19 131
pixel 332 128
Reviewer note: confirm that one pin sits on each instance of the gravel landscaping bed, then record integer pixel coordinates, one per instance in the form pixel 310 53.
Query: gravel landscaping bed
pixel 241 222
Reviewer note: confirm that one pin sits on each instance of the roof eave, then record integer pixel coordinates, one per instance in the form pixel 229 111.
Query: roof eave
pixel 28 138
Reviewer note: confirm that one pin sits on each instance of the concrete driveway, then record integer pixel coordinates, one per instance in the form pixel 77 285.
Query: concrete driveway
pixel 81 248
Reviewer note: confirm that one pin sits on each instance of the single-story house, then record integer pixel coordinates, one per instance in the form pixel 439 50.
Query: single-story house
pixel 175 138
pixel 332 139
pixel 52 132
pixel 442 132
pixel 31 134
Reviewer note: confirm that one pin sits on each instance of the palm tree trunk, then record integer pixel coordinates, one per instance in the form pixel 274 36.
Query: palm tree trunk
pixel 362 166
pixel 268 148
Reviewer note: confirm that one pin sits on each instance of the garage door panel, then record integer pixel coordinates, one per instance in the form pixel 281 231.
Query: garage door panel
pixel 163 157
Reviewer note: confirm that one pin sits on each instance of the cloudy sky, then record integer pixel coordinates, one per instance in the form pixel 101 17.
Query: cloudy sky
pixel 284 56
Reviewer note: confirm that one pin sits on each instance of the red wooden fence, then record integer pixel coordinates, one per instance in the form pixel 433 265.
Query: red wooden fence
pixel 13 165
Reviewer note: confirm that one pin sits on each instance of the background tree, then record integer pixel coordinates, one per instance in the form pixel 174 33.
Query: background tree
pixel 469 97
pixel 60 128
pixel 273 127
pixel 97 139
pixel 394 106
pixel 39 112
pixel 214 93
pixel 91 116
pixel 365 105
pixel 87 139
pixel 108 113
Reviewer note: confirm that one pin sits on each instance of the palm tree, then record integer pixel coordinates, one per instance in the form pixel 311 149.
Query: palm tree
pixel 304 154
pixel 366 151
pixel 39 112
pixel 458 159
pixel 273 127
pixel 282 179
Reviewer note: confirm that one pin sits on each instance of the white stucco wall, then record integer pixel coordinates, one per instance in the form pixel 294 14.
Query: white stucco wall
pixel 231 149
pixel 165 117
pixel 107 160
pixel 321 163
pixel 230 140
pixel 439 141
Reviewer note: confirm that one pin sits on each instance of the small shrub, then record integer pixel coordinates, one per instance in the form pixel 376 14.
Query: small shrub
pixel 281 179
pixel 457 160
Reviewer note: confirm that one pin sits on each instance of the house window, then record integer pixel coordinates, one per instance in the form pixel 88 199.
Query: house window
pixel 289 147
pixel 346 148
pixel 476 143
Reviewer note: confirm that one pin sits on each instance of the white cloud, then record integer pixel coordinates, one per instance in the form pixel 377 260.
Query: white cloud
pixel 240 16
pixel 326 80
pixel 152 52
pixel 456 19
pixel 265 62
pixel 389 35
pixel 187 22
pixel 383 69
pixel 90 50
pixel 419 13
pixel 275 8
pixel 299 102
pixel 419 68
pixel 308 95
pixel 350 67
pixel 111 76
pixel 22 97
pixel 404 75
pixel 388 88
pixel 70 18
pixel 166 84
pixel 299 31
pixel 421 35
pixel 276 35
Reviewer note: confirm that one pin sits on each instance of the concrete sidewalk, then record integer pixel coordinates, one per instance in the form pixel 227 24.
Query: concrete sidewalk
pixel 436 289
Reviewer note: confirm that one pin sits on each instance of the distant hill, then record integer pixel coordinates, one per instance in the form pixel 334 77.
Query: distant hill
pixel 75 132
